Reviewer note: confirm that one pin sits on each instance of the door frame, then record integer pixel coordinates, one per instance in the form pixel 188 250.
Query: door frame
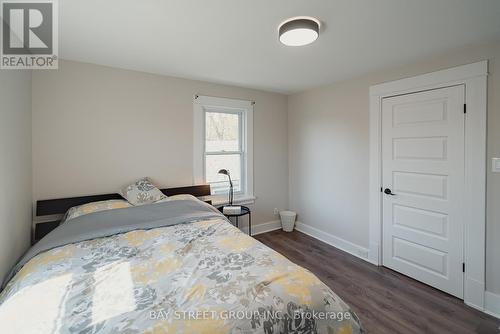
pixel 474 78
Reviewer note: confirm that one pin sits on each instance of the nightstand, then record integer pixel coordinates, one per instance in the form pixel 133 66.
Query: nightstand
pixel 244 211
pixel 42 229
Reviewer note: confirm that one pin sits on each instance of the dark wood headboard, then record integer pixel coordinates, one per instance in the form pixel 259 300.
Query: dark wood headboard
pixel 61 205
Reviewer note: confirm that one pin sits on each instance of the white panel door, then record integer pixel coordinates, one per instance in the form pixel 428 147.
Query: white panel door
pixel 423 184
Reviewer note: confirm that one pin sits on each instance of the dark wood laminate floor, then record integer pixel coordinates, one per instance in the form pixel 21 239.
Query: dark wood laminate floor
pixel 385 301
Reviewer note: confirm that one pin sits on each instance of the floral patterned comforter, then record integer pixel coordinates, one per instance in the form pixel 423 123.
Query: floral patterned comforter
pixel 199 277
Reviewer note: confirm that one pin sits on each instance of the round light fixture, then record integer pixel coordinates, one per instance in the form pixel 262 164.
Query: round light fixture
pixel 298 31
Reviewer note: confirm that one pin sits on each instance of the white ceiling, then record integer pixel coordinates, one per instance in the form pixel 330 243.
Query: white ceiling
pixel 235 41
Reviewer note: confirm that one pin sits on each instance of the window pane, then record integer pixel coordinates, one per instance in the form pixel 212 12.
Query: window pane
pixel 222 132
pixel 220 182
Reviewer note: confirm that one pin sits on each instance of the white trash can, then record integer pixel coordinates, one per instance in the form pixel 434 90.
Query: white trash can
pixel 287 220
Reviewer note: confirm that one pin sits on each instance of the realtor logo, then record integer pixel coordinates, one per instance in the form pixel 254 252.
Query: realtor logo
pixel 29 34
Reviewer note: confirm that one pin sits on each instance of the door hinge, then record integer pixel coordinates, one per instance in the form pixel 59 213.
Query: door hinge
pixel 465 108
pixel 463 267
pixel 381 190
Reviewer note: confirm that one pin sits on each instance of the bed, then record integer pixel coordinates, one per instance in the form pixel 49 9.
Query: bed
pixel 172 267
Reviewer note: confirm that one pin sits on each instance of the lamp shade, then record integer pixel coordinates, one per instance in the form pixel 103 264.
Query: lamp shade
pixel 223 171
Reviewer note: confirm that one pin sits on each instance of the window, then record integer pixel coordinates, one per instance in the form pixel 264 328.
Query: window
pixel 223 140
pixel 224 149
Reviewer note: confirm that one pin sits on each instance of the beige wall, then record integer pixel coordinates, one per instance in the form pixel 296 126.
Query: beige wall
pixel 97 128
pixel 329 151
pixel 15 167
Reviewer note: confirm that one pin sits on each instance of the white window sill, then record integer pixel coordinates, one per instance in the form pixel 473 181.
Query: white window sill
pixel 218 200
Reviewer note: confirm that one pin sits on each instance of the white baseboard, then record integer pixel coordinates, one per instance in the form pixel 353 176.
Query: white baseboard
pixel 344 245
pixel 263 227
pixel 492 304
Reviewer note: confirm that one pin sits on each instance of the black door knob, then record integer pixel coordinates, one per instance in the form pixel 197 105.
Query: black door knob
pixel 388 191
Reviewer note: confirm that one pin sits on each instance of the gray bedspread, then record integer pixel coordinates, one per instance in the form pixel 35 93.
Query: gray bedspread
pixel 111 222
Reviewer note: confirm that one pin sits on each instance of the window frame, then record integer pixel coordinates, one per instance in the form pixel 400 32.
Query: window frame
pixel 204 104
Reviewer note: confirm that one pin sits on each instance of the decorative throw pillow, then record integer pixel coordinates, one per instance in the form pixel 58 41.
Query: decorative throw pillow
pixel 85 209
pixel 142 192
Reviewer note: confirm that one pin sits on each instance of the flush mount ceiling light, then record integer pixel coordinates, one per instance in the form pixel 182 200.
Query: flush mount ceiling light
pixel 298 31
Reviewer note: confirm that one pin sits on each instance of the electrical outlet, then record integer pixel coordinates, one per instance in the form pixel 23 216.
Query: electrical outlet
pixel 276 211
